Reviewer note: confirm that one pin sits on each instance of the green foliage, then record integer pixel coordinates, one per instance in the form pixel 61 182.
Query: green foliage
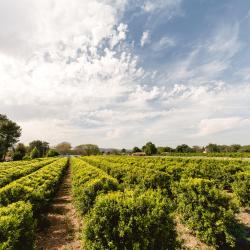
pixel 136 150
pixel 130 220
pixel 41 146
pixel 16 227
pixel 88 183
pixel 149 148
pixel 52 153
pixel 87 149
pixel 9 134
pixel 37 188
pixel 17 156
pixel 34 153
pixel 208 211
pixel 183 149
pixel 26 157
pixel 13 171
pixel 241 187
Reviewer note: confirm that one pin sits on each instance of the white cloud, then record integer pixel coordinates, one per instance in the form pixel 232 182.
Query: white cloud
pixel 68 73
pixel 145 39
pixel 216 125
pixel 171 5
pixel 164 43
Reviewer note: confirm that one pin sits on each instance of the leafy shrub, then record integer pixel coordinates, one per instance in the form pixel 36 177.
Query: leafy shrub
pixel 16 227
pixel 241 187
pixel 37 188
pixel 208 211
pixel 34 153
pixel 88 183
pixel 52 153
pixel 130 220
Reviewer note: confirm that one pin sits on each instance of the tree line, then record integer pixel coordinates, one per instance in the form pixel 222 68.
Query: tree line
pixel 10 133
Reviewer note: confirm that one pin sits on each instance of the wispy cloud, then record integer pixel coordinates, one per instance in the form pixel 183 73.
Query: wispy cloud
pixel 145 39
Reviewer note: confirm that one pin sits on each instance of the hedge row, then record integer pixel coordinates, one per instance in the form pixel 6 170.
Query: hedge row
pixel 11 164
pixel 130 220
pixel 10 174
pixel 120 220
pixel 87 183
pixel 37 188
pixel 196 187
pixel 17 227
pixel 230 175
pixel 209 212
pixel 131 177
pixel 241 188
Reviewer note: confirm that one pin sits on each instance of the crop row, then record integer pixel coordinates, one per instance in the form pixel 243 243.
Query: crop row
pixel 11 164
pixel 201 204
pixel 230 175
pixel 24 197
pixel 118 218
pixel 10 174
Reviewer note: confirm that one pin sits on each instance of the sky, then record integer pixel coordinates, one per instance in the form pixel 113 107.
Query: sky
pixel 119 73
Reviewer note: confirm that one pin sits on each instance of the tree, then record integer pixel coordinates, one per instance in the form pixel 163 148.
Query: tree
pixel 20 152
pixel 212 148
pixel 136 150
pixel 41 146
pixel 34 153
pixel 184 148
pixel 87 149
pixel 63 148
pixel 197 149
pixel 245 149
pixel 149 148
pixel 52 153
pixel 123 151
pixel 9 135
pixel 161 150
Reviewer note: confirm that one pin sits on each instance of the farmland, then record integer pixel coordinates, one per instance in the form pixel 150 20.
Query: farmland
pixel 125 202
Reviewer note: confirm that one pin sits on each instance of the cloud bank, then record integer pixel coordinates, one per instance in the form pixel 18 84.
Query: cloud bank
pixel 69 71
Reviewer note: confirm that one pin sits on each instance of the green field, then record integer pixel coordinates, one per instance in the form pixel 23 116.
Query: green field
pixel 129 202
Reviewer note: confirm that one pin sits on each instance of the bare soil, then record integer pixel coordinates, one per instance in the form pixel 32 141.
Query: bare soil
pixel 189 241
pixel 61 227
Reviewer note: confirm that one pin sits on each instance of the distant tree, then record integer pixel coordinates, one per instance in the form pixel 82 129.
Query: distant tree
pixel 136 150
pixel 19 152
pixel 235 147
pixel 149 148
pixel 63 148
pixel 123 151
pixel 212 148
pixel 245 148
pixel 197 149
pixel 42 147
pixel 184 148
pixel 34 153
pixel 162 150
pixel 9 135
pixel 52 153
pixel 87 149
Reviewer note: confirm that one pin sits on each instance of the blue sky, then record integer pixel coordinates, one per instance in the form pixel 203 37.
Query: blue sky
pixel 119 73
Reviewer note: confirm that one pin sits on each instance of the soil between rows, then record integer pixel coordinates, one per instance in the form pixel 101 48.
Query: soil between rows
pixel 61 227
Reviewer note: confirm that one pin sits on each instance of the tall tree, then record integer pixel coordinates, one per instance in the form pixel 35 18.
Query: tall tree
pixel 136 150
pixel 87 149
pixel 63 148
pixel 41 146
pixel 10 132
pixel 19 152
pixel 149 148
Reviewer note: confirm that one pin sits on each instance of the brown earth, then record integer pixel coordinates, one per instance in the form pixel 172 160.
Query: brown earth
pixel 61 227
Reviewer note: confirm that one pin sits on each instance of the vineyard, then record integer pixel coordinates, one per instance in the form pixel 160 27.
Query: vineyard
pixel 130 202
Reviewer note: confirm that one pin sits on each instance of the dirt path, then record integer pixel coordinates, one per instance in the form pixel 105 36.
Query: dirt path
pixel 61 229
